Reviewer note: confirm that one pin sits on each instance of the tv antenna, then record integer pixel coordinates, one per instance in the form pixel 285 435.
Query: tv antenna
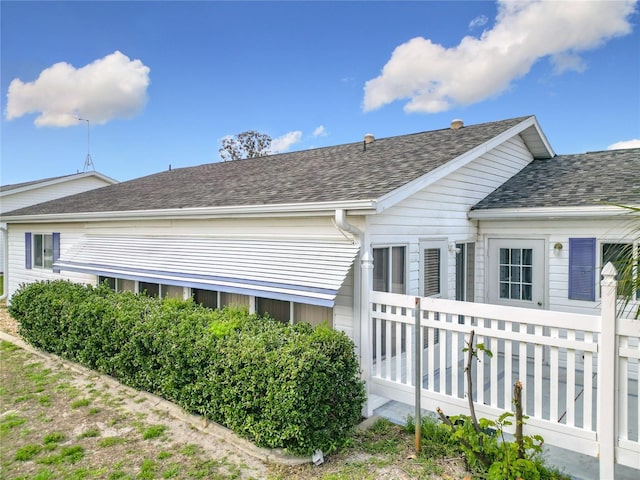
pixel 88 161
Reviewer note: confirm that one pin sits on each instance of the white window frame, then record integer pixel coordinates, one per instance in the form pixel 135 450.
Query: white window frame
pixel 443 246
pixel 468 278
pixel 42 252
pixel 390 265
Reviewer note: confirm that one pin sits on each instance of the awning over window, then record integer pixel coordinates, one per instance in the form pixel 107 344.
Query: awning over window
pixel 299 271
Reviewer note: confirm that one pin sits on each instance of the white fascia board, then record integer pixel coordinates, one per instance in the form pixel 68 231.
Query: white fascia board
pixel 363 207
pixel 396 196
pixel 547 213
pixel 543 137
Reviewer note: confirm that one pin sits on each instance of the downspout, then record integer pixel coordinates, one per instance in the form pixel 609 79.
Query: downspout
pixel 362 329
pixel 5 263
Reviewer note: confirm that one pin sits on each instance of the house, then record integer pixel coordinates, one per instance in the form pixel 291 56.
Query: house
pixel 484 213
pixel 25 194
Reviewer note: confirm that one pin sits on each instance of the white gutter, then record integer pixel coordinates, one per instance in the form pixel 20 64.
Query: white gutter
pixel 5 262
pixel 288 209
pixel 546 213
pixel 342 224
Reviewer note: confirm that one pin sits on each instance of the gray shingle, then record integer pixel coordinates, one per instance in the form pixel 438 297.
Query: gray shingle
pixel 332 174
pixel 588 179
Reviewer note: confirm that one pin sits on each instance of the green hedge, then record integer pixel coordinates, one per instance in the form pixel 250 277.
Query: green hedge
pixel 281 386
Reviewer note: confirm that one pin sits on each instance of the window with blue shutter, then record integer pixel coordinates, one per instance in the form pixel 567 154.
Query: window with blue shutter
pixel 27 250
pixel 56 250
pixel 582 267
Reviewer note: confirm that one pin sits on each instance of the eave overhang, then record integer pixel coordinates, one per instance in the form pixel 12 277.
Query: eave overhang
pixel 362 207
pixel 549 213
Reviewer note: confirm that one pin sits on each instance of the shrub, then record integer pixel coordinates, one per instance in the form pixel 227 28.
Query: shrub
pixel 281 386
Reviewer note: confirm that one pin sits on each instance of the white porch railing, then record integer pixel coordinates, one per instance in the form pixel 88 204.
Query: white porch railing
pixel 579 372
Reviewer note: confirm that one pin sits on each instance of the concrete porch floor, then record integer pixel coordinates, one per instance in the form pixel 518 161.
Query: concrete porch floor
pixel 580 467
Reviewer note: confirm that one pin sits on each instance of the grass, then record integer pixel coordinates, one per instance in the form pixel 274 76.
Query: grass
pixel 154 431
pixel 51 434
pixel 83 402
pixel 59 437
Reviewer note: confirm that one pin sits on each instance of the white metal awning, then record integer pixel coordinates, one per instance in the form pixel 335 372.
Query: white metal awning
pixel 309 272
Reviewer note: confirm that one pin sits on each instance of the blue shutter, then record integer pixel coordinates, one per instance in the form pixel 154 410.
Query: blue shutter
pixel 56 250
pixel 27 250
pixel 582 267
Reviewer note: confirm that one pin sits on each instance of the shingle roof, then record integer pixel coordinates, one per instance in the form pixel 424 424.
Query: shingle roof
pixel 588 179
pixel 332 174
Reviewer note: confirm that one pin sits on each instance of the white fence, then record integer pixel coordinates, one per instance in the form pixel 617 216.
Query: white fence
pixel 579 372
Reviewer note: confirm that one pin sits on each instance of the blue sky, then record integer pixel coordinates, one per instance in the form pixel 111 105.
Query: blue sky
pixel 163 82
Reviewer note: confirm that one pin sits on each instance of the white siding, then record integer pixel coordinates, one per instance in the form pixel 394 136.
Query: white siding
pixel 12 201
pixel 610 230
pixel 439 212
pixel 50 192
pixel 310 228
pixel 18 274
pixel 343 313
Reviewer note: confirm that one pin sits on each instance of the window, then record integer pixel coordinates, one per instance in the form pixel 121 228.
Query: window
pixel 291 312
pixel 313 314
pixel 516 273
pixel 234 299
pixel 151 289
pixel 110 281
pixel 277 309
pixel 465 271
pixel 172 291
pixel 42 250
pixel 433 268
pixel 389 267
pixel 206 298
pixel 621 255
pixel 119 284
pixel 126 285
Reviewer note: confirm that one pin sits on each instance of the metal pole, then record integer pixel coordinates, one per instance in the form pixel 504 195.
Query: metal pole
pixel 418 379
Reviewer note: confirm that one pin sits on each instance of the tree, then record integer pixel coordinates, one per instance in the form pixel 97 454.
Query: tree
pixel 627 264
pixel 247 144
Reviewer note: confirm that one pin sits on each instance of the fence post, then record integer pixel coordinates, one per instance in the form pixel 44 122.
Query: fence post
pixel 418 372
pixel 607 380
pixel 366 339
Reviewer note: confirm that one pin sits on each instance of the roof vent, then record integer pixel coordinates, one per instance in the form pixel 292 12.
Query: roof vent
pixel 457 124
pixel 369 138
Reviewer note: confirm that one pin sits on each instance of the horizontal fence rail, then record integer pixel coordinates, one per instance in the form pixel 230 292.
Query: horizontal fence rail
pixel 555 355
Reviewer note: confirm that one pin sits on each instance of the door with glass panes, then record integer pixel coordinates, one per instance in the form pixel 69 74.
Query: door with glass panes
pixel 516 272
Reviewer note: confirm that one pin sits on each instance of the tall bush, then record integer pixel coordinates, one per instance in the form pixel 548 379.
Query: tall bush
pixel 282 386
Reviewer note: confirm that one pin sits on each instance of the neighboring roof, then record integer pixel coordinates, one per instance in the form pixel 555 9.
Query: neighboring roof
pixel 592 179
pixel 333 174
pixel 33 184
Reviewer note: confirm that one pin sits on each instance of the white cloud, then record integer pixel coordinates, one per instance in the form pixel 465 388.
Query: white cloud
pixel 479 21
pixel 436 79
pixel 283 143
pixel 320 131
pixel 635 143
pixel 108 88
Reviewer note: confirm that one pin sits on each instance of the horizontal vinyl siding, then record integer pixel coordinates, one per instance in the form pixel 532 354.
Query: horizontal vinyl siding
pixel 18 274
pixel 343 308
pixel 440 210
pixel 304 228
pixel 50 192
pixel 558 231
pixel 312 228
